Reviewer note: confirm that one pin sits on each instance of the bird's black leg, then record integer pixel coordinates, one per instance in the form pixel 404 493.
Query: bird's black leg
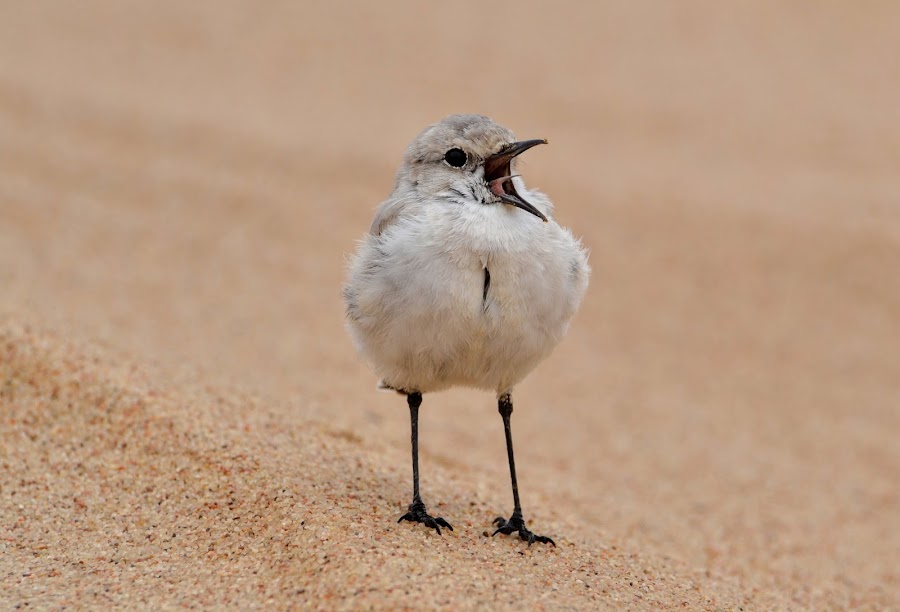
pixel 416 512
pixel 515 524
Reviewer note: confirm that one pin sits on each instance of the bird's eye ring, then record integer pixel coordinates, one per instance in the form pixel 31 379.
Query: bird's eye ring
pixel 456 157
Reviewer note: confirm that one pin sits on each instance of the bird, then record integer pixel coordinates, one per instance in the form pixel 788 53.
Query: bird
pixel 463 279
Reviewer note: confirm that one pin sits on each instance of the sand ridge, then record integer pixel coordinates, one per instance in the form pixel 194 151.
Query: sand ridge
pixel 119 492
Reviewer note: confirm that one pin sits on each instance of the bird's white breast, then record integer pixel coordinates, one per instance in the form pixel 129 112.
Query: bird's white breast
pixel 417 307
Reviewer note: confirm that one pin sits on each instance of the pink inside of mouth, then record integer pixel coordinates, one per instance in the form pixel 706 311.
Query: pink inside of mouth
pixel 497 186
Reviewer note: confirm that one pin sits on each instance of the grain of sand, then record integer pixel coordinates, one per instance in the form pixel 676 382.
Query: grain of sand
pixel 184 421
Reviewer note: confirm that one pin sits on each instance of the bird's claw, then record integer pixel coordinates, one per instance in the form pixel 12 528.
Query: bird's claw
pixel 517 524
pixel 416 514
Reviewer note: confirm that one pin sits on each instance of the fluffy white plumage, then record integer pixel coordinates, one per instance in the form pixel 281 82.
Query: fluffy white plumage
pixel 453 286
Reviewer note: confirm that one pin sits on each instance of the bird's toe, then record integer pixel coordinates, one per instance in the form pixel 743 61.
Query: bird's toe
pixel 416 513
pixel 516 524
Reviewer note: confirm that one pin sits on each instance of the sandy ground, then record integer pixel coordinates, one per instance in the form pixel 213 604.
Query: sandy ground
pixel 184 421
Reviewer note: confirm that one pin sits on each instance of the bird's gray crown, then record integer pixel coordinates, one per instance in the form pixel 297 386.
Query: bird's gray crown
pixel 477 135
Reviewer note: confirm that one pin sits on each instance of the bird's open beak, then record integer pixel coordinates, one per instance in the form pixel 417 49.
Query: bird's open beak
pixel 498 175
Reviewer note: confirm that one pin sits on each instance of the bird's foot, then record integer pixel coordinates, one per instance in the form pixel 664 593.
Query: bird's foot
pixel 517 524
pixel 416 514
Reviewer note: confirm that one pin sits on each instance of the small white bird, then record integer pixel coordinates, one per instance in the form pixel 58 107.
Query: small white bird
pixel 463 279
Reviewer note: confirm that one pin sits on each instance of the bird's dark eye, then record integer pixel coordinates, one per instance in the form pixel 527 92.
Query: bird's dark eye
pixel 456 158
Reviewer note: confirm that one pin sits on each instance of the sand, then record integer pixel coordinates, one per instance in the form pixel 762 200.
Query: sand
pixel 185 423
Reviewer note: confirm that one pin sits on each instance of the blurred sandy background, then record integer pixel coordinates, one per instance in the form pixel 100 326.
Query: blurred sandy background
pixel 184 421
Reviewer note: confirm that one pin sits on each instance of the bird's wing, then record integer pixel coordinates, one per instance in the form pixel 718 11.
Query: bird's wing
pixel 388 212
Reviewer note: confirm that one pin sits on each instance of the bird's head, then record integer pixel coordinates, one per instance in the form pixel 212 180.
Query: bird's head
pixel 468 158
